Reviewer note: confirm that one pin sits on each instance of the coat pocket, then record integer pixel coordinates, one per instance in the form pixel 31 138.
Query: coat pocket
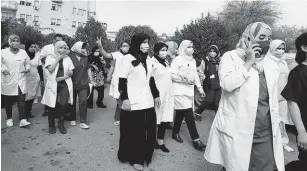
pixel 225 123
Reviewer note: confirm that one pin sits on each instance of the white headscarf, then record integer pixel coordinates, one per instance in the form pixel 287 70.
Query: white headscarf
pixel 272 51
pixel 77 47
pixel 182 50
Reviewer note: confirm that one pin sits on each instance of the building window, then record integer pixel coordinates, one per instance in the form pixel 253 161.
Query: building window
pixel 79 24
pixel 28 3
pixel 36 3
pixel 23 17
pixel 53 8
pixel 29 18
pixel 36 18
pixel 74 10
pixel 58 22
pixel 22 3
pixel 84 12
pixel 74 24
pixel 53 21
pixel 59 8
pixel 79 11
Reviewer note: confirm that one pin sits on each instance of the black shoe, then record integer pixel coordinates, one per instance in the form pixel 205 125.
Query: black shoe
pixel 101 105
pixel 45 113
pixel 162 148
pixel 177 138
pixel 199 145
pixel 198 118
pixel 157 145
pixel 62 129
pixel 52 130
pixel 168 126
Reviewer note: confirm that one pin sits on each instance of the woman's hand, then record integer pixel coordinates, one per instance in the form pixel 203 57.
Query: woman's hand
pixel 109 78
pixel 98 41
pixel 5 72
pixel 302 140
pixel 95 67
pixel 126 105
pixel 157 102
pixel 69 73
pixel 251 52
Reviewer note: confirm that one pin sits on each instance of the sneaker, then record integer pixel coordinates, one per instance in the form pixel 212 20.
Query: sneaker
pixel 9 122
pixel 101 105
pixel 138 167
pixel 73 123
pixel 288 149
pixel 84 126
pixel 116 123
pixel 24 123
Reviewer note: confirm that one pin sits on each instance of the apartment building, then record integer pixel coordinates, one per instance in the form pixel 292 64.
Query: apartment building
pixel 59 16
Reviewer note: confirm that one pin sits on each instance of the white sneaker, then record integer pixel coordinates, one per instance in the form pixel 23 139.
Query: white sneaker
pixel 116 123
pixel 84 126
pixel 73 123
pixel 288 149
pixel 9 122
pixel 23 123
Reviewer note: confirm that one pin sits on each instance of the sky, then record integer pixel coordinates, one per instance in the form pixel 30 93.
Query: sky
pixel 166 16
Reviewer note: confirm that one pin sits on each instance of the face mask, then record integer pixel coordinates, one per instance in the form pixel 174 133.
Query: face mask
pixel 15 45
pixel 96 53
pixel 213 54
pixel 125 49
pixel 163 54
pixel 264 45
pixel 279 53
pixel 189 51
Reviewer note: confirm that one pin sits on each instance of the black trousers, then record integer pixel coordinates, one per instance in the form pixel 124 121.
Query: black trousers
pixel 211 101
pixel 59 110
pixel 21 105
pixel 29 104
pixel 137 136
pixel 188 115
pixel 161 130
pixel 100 91
pixel 82 95
pixel 302 160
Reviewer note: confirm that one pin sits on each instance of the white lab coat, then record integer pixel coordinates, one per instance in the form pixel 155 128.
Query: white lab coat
pixel 231 135
pixel 50 93
pixel 117 56
pixel 163 80
pixel 15 64
pixel 33 79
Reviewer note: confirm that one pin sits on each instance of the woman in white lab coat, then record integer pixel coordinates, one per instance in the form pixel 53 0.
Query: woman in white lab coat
pixel 15 63
pixel 59 88
pixel 34 78
pixel 245 134
pixel 276 52
pixel 163 78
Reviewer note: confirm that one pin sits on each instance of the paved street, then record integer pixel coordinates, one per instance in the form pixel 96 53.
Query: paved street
pixel 94 149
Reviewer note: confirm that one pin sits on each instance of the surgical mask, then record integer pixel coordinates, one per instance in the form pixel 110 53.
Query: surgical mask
pixel 189 51
pixel 83 51
pixel 279 53
pixel 213 54
pixel 125 49
pixel 163 54
pixel 264 45
pixel 96 53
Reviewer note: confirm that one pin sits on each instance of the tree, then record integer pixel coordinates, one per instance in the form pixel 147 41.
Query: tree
pixel 238 14
pixel 126 33
pixel 25 32
pixel 90 32
pixel 204 32
pixel 288 34
pixel 49 37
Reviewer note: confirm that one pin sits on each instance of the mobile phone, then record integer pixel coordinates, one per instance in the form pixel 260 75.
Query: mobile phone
pixel 253 41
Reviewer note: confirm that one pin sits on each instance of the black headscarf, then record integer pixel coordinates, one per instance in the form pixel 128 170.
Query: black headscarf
pixel 158 46
pixel 27 46
pixel 95 59
pixel 135 51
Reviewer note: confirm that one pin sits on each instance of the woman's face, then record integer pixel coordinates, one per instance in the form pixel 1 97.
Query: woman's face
pixel 144 46
pixel 62 50
pixel 280 51
pixel 15 43
pixel 125 47
pixel 163 53
pixel 264 38
pixel 189 50
pixel 32 48
pixel 212 53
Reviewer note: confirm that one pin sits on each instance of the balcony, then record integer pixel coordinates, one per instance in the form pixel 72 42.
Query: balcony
pixel 9 5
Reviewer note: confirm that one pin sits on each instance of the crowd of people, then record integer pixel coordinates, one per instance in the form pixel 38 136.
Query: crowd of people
pixel 250 88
